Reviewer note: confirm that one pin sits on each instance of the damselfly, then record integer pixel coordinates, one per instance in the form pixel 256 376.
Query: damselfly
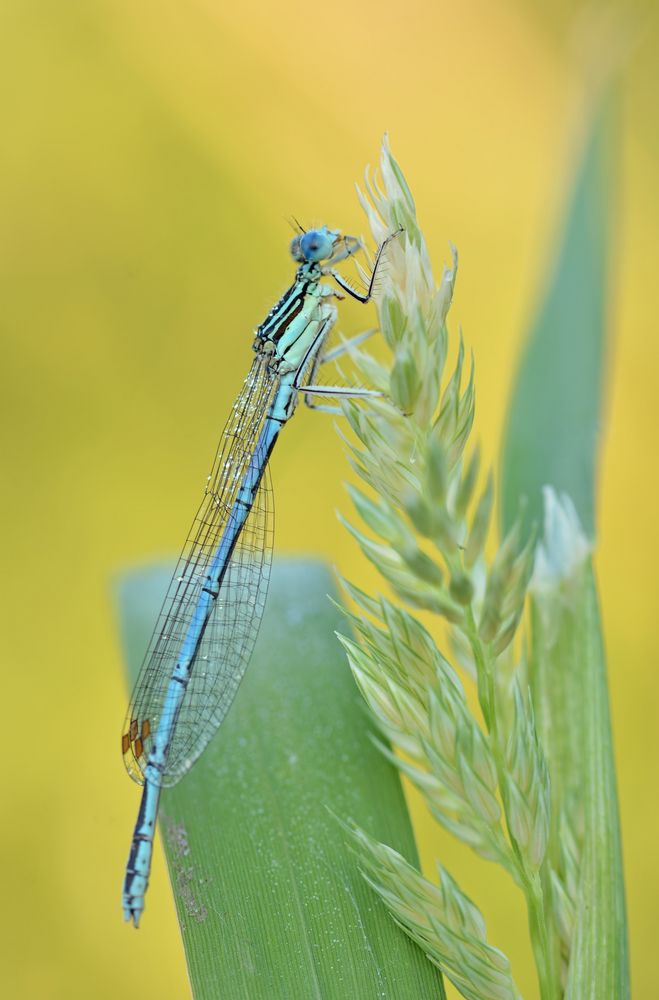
pixel 205 633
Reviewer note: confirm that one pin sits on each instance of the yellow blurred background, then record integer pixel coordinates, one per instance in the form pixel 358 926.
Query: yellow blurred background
pixel 151 153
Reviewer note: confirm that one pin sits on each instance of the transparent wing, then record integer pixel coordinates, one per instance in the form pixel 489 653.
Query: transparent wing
pixel 228 640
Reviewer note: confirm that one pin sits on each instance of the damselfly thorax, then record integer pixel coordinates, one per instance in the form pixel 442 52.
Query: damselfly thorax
pixel 289 330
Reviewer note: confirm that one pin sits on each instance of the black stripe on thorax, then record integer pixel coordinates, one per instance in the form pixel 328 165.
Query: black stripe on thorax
pixel 289 306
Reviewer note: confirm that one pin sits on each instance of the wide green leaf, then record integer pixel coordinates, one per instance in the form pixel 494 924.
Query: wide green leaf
pixel 269 899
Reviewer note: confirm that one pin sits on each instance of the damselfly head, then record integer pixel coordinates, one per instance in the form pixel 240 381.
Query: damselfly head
pixel 315 244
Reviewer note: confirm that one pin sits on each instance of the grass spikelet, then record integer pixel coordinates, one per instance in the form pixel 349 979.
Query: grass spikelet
pixel 426 511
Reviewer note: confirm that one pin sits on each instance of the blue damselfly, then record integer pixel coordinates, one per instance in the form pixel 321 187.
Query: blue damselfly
pixel 205 633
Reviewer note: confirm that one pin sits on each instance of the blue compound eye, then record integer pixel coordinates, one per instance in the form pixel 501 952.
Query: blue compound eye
pixel 317 244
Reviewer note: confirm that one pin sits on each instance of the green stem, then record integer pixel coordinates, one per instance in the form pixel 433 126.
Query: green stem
pixel 548 976
pixel 484 676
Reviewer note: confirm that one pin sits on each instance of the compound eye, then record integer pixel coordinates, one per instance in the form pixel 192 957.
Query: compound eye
pixel 317 244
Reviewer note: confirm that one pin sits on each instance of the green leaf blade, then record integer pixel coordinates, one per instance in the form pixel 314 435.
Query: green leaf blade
pixel 554 416
pixel 269 899
pixel 552 439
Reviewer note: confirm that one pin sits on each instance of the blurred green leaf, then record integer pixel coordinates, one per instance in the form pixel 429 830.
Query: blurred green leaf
pixel 568 678
pixel 269 898
pixel 552 438
pixel 554 416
